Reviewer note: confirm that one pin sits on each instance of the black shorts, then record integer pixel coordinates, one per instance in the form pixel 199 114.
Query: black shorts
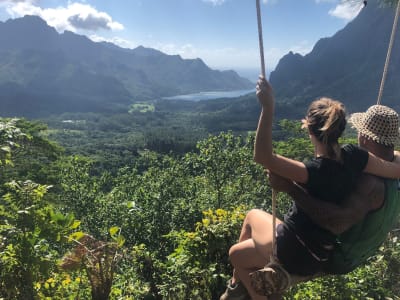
pixel 294 255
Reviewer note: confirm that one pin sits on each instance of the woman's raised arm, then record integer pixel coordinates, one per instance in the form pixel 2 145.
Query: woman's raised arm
pixel 263 152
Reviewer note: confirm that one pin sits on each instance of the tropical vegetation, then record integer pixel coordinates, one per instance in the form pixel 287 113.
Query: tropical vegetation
pixel 157 226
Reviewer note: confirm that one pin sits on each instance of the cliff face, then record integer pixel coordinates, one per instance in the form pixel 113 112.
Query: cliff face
pixel 347 66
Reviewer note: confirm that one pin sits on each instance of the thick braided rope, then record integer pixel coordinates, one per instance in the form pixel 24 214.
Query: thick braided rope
pixel 389 53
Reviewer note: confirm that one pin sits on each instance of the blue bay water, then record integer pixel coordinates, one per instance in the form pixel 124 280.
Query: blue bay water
pixel 211 95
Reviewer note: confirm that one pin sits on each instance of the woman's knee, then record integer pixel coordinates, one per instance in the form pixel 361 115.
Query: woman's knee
pixel 254 213
pixel 234 251
pixel 237 253
pixel 245 255
pixel 257 216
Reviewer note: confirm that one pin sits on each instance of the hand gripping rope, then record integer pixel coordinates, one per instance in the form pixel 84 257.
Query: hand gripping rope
pixel 269 280
pixel 274 193
pixel 273 277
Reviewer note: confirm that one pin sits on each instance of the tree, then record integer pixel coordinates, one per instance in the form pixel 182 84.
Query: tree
pixel 31 232
pixel 31 229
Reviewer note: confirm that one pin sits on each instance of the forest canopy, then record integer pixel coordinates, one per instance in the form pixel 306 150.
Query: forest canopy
pixel 159 227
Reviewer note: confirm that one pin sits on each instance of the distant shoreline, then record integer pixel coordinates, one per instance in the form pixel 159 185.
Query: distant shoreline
pixel 210 95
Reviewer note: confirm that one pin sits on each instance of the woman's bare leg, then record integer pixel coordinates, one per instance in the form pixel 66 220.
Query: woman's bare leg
pixel 245 259
pixel 254 248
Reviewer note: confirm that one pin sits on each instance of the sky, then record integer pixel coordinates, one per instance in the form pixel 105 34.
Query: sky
pixel 223 33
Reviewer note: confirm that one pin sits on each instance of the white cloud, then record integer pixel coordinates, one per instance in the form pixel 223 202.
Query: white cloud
pixel 215 2
pixel 346 10
pixel 86 17
pixel 186 50
pixel 303 47
pixel 16 1
pixel 269 1
pixel 21 8
pixel 74 17
pixel 273 55
pixel 115 40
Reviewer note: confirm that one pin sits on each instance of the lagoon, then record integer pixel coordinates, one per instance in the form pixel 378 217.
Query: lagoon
pixel 210 95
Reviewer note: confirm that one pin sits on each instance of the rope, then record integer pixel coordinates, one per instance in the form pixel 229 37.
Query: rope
pixel 260 38
pixel 274 193
pixel 389 53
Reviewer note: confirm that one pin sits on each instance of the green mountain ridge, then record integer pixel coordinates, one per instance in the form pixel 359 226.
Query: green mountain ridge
pixel 43 72
pixel 347 66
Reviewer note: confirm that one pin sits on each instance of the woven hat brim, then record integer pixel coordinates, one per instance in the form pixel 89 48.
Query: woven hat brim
pixel 357 121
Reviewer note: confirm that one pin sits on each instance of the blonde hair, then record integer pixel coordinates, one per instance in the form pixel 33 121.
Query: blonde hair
pixel 326 120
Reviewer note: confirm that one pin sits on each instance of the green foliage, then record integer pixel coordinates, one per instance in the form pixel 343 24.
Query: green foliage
pixel 33 157
pixel 79 190
pixel 63 285
pixel 99 260
pixel 9 136
pixel 231 177
pixel 141 107
pixel 199 266
pixel 178 214
pixel 32 230
pixel 164 193
pixel 31 233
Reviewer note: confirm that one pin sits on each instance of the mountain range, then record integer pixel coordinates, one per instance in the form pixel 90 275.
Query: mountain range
pixel 347 66
pixel 44 72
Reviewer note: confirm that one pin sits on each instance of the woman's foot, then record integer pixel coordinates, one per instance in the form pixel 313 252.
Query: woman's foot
pixel 235 291
pixel 272 279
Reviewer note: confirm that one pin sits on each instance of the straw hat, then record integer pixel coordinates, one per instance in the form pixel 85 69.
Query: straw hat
pixel 380 124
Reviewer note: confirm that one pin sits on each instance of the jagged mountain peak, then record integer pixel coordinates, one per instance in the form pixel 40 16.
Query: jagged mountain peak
pixel 57 72
pixel 347 66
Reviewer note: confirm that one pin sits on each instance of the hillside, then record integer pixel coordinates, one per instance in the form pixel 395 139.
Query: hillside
pixel 347 66
pixel 44 72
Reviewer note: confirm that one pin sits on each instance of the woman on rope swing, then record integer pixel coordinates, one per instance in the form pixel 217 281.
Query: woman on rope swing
pixel 302 247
